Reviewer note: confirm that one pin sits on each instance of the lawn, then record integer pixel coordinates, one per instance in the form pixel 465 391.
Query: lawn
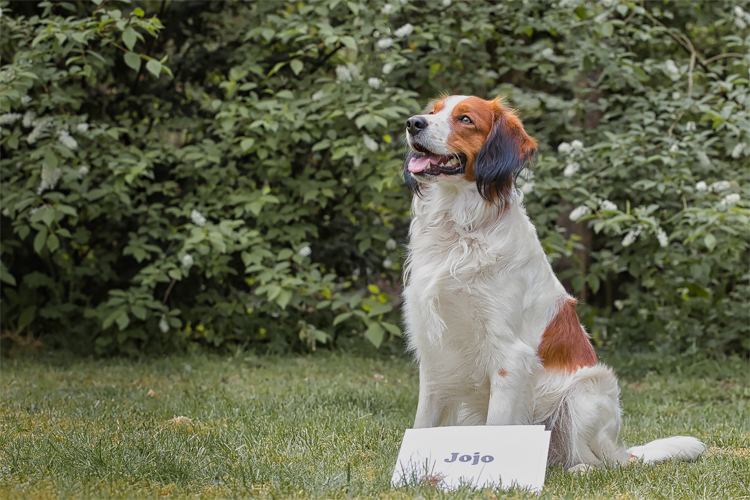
pixel 322 426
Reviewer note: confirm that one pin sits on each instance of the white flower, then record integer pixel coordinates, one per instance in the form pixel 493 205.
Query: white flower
pixel 629 239
pixel 740 23
pixel 318 95
pixel 662 237
pixel 690 126
pixel 387 68
pixel 564 147
pixel 353 70
pixel 729 199
pixel 576 144
pixel 25 100
pixel 50 176
pixel 674 148
pixel 548 53
pixel 384 43
pixel 703 158
pixel 738 11
pixel 343 74
pixel 370 143
pixel 607 206
pixel 66 140
pixel 737 150
pixel 83 170
pixel 447 3
pixel 82 127
pixel 8 118
pixel 36 209
pixel 701 186
pixel 579 212
pixel 719 186
pixel 163 325
pixel 527 187
pixel 40 126
pixel 197 218
pixel 373 82
pixel 571 169
pixel 388 8
pixel 187 261
pixel 671 67
pixel 28 119
pixel 405 30
pixel 357 160
pixel 305 251
pixel 390 244
pixel 387 263
pixel 675 95
pixel 6 212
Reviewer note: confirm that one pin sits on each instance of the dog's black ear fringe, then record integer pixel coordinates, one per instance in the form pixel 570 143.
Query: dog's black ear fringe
pixel 500 161
pixel 411 182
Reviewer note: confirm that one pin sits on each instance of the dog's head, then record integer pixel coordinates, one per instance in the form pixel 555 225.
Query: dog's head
pixel 468 139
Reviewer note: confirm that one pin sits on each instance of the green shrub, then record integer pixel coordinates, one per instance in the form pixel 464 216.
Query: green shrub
pixel 233 175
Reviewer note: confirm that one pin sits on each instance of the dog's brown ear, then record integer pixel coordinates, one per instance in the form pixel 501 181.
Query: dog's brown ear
pixel 505 153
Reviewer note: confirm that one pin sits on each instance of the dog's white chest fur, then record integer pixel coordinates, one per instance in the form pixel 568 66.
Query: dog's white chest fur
pixel 479 282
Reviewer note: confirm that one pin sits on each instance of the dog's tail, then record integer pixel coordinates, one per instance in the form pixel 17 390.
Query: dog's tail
pixel 677 447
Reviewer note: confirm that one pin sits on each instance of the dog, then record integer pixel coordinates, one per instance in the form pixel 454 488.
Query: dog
pixel 496 335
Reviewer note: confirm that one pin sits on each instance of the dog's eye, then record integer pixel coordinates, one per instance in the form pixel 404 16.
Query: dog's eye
pixel 431 113
pixel 465 119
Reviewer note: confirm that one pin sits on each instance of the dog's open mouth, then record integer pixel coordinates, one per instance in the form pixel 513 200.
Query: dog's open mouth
pixel 425 163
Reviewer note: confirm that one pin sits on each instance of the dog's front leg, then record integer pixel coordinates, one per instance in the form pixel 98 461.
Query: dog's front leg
pixel 509 389
pixel 428 407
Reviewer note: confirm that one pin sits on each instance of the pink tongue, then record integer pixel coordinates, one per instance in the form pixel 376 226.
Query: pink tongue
pixel 423 162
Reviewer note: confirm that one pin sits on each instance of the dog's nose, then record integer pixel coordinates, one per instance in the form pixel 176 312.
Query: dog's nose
pixel 416 124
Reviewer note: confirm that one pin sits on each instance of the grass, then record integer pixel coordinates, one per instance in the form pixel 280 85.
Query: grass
pixel 324 426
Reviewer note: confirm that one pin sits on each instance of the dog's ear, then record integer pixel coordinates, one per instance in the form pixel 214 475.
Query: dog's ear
pixel 411 182
pixel 505 153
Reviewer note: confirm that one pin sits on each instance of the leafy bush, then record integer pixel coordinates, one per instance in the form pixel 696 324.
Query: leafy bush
pixel 233 174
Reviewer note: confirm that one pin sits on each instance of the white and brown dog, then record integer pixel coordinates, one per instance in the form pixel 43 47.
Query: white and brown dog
pixel 496 336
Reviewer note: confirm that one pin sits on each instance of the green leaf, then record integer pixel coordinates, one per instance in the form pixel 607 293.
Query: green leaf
pixel 154 67
pixel 53 243
pixel 375 334
pixel 123 320
pixel 40 240
pixel 139 312
pixel 27 316
pixel 392 329
pixel 5 275
pixel 129 37
pixel 349 42
pixel 51 160
pixel 378 310
pixel 710 241
pixel 341 317
pixel 246 144
pixel 283 299
pixel 133 60
pixel 296 66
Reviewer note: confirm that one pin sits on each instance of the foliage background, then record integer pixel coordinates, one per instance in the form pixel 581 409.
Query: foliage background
pixel 177 174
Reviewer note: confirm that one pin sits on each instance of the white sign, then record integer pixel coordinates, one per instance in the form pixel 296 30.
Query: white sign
pixel 482 456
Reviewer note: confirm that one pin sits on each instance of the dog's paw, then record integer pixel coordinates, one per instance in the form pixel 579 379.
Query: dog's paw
pixel 581 469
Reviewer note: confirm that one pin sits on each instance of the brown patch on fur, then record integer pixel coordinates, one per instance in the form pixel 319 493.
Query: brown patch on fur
pixel 502 372
pixel 436 106
pixel 565 345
